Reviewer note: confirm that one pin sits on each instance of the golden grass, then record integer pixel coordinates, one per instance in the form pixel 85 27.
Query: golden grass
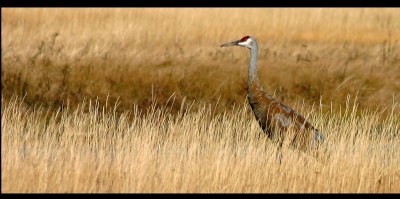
pixel 99 151
pixel 63 55
pixel 195 133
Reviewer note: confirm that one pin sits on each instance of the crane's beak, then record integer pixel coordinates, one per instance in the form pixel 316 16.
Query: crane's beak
pixel 233 43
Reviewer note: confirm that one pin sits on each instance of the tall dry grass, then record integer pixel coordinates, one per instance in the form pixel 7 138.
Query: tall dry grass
pixel 55 56
pixel 92 150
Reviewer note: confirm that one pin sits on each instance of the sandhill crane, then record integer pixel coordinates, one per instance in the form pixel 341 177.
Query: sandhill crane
pixel 274 117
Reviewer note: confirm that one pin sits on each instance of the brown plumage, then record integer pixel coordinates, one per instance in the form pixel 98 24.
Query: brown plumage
pixel 274 117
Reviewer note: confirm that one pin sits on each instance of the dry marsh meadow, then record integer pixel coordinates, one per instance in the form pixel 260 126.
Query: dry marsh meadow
pixel 96 151
pixel 144 100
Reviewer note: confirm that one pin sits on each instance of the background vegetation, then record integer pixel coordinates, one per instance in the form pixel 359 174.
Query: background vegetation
pixel 61 56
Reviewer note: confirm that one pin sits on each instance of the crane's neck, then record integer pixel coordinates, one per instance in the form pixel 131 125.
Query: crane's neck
pixel 253 77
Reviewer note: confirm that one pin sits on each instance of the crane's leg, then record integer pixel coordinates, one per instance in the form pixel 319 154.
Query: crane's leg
pixel 317 140
pixel 279 152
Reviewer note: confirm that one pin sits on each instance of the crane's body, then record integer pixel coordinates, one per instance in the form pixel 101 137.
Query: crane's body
pixel 274 117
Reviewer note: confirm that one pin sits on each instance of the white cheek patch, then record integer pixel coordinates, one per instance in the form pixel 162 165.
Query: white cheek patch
pixel 248 42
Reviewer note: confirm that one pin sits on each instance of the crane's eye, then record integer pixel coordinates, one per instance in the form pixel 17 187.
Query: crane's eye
pixel 244 39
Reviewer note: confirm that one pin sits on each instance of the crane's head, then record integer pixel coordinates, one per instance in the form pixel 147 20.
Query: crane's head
pixel 246 41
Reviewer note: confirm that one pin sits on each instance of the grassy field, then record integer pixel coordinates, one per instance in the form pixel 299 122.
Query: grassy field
pixel 145 100
pixel 99 151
